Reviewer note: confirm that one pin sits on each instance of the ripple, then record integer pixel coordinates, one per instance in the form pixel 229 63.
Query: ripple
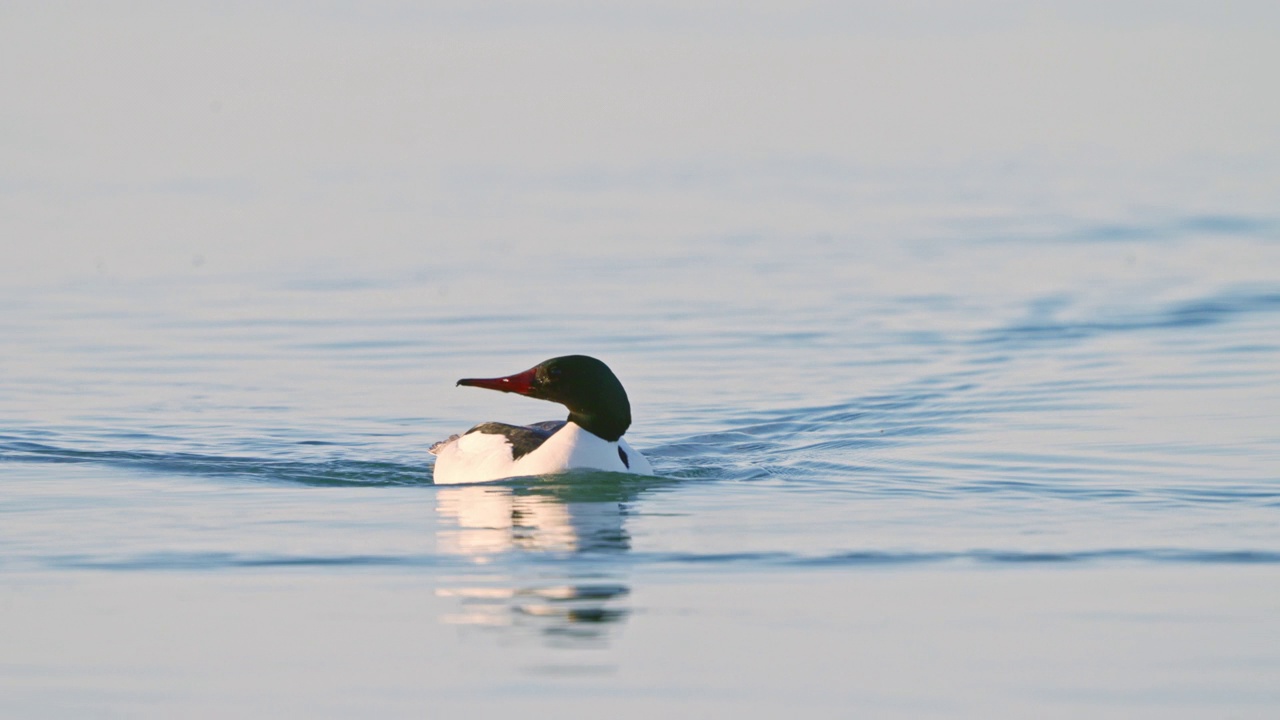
pixel 858 558
pixel 1202 312
pixel 177 561
pixel 220 560
pixel 334 473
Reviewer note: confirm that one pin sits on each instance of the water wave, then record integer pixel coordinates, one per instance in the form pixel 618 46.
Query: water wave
pixel 1202 312
pixel 169 561
pixel 336 472
pixel 910 440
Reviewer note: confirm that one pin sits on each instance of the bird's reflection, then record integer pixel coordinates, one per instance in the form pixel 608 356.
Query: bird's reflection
pixel 546 553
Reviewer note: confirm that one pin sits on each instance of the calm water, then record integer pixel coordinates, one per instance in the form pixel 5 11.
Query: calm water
pixel 960 436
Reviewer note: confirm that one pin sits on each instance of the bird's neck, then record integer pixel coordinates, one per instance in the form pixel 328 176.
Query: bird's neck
pixel 606 425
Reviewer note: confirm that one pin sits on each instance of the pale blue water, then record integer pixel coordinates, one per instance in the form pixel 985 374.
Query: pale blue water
pixel 989 434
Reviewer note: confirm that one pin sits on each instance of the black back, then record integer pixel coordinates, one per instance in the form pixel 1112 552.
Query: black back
pixel 524 439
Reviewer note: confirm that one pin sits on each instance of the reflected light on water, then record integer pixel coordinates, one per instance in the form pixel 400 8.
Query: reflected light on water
pixel 572 600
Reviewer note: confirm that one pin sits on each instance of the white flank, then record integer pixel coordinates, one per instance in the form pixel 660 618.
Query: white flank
pixel 481 457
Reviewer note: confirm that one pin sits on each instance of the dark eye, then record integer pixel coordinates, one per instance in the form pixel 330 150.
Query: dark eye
pixel 553 372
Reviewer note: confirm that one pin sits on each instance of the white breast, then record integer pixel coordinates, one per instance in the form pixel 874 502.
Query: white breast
pixel 480 457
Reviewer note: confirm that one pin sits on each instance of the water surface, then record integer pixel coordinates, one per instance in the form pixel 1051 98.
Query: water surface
pixel 959 409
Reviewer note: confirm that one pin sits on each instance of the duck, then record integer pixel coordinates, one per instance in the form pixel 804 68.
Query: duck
pixel 590 438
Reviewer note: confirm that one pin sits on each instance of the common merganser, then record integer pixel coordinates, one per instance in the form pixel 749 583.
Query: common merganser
pixel 591 438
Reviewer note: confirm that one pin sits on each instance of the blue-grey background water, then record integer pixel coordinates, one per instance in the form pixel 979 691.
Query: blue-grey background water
pixel 953 332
